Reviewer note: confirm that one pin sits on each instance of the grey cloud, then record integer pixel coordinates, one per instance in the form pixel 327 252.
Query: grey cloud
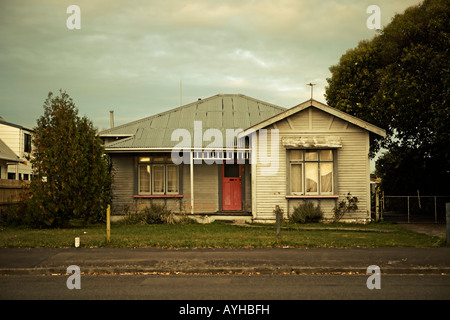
pixel 131 55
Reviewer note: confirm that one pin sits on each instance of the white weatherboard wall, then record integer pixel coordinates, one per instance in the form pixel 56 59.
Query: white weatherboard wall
pixel 351 166
pixel 14 136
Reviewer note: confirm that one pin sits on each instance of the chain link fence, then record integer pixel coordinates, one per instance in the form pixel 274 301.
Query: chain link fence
pixel 417 208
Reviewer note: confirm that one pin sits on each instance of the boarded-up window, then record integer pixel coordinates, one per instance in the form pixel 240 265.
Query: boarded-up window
pixel 311 172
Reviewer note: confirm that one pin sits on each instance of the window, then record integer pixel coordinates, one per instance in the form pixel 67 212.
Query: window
pixel 27 143
pixel 172 179
pixel 144 179
pixel 156 177
pixel 311 172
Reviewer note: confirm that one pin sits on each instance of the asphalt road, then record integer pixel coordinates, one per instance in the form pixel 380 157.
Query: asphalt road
pixel 226 287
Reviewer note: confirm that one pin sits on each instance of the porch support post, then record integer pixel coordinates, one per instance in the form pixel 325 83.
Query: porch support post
pixel 253 158
pixel 191 171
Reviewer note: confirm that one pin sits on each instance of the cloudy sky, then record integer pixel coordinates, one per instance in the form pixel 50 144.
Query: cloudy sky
pixel 131 56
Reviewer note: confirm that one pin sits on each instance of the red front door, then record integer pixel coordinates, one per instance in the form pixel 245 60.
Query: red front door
pixel 231 187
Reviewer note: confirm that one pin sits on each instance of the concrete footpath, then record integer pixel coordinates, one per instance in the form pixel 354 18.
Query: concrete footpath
pixel 46 261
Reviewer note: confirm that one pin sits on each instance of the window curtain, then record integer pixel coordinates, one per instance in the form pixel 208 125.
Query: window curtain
pixel 296 178
pixel 158 179
pixel 172 179
pixel 144 179
pixel 326 177
pixel 311 175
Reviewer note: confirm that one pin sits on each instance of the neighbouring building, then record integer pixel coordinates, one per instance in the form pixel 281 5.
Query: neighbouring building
pixel 232 156
pixel 18 140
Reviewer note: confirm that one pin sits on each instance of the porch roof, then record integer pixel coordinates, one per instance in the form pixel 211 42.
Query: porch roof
pixel 6 154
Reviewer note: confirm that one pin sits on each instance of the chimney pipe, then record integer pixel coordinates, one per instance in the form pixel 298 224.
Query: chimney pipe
pixel 111 116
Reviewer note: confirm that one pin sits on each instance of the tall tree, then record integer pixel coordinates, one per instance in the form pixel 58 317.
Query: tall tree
pixel 72 178
pixel 400 81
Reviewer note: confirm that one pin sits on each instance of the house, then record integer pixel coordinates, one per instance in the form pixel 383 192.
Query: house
pixel 11 191
pixel 231 155
pixel 7 157
pixel 18 139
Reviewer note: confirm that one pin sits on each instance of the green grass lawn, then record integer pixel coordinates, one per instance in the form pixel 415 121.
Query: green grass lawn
pixel 220 235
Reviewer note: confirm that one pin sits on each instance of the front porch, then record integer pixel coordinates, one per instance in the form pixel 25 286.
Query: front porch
pixel 204 191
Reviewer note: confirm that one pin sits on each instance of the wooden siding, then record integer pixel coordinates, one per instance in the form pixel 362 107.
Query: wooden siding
pixel 353 172
pixel 206 188
pixel 351 166
pixel 13 137
pixel 270 182
pixel 247 185
pixel 124 180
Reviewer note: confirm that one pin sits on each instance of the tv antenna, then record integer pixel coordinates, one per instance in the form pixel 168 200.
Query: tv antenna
pixel 312 88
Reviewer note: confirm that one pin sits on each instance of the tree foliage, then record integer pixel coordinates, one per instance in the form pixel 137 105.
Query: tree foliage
pixel 71 172
pixel 399 81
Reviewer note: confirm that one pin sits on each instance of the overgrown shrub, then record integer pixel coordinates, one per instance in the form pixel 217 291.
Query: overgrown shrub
pixel 154 214
pixel 11 216
pixel 305 213
pixel 21 213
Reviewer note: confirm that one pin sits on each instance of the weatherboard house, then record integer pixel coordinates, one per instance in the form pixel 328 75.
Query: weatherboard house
pixel 231 156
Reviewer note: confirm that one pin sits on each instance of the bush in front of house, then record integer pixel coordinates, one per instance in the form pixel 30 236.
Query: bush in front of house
pixel 71 174
pixel 306 213
pixel 157 214
pixel 154 214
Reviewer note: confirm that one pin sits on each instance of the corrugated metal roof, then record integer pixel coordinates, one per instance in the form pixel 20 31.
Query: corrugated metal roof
pixel 222 111
pixel 7 154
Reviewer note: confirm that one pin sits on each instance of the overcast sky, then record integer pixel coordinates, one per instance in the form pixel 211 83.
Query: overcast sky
pixel 130 56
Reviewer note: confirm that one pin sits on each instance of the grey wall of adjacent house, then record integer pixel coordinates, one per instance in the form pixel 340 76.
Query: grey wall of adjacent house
pixel 124 182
